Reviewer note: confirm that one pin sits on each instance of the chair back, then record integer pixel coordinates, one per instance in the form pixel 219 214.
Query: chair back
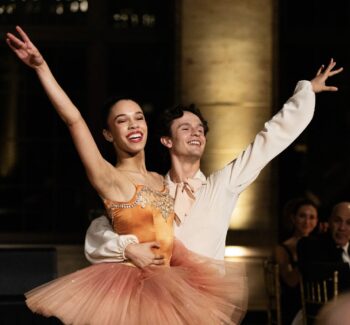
pixel 315 293
pixel 273 292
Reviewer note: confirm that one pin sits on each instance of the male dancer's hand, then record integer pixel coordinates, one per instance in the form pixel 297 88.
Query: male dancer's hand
pixel 141 255
pixel 319 82
pixel 24 48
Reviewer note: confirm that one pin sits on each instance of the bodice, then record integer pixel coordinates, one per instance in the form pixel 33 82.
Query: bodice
pixel 148 215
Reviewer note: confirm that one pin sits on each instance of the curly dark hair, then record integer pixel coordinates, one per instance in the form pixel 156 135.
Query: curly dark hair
pixel 169 115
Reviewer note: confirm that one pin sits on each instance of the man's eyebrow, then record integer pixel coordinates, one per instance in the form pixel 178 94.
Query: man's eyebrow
pixel 189 124
pixel 184 124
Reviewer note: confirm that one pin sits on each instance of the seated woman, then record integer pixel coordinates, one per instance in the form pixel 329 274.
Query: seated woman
pixel 304 218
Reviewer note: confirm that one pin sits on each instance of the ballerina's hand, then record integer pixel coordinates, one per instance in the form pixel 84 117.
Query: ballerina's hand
pixel 24 48
pixel 319 82
pixel 142 255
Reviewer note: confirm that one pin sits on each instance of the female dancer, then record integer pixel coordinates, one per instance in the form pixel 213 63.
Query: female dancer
pixel 304 217
pixel 188 289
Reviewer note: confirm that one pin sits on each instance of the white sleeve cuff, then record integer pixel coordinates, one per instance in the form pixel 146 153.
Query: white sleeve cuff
pixel 102 244
pixel 123 242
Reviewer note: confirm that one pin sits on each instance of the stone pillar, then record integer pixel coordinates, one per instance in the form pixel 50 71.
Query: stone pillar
pixel 227 69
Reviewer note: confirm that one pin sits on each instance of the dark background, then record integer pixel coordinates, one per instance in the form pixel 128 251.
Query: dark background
pixel 318 163
pixel 116 47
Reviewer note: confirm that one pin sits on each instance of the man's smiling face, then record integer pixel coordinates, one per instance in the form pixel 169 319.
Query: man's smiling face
pixel 187 136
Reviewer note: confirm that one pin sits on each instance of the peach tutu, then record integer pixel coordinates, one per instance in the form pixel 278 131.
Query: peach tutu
pixel 194 290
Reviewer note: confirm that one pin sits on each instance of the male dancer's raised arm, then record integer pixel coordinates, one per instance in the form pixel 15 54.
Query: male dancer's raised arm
pixel 280 131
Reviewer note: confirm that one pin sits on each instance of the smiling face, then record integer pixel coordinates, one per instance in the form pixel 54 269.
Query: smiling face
pixel 305 220
pixel 187 137
pixel 339 223
pixel 127 128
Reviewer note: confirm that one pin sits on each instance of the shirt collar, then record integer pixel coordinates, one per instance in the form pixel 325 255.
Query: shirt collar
pixel 199 174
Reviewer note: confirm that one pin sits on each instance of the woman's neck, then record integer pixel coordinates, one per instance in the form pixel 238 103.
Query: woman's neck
pixel 299 235
pixel 135 164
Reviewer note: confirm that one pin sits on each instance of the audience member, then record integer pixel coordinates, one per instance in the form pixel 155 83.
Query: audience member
pixel 320 256
pixel 303 216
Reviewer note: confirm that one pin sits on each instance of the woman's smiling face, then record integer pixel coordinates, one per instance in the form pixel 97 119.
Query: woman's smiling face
pixel 305 220
pixel 127 127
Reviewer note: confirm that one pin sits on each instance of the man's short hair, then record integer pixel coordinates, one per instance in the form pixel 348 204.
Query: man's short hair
pixel 173 113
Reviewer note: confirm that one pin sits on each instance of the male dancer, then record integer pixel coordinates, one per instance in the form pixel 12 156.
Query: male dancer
pixel 203 226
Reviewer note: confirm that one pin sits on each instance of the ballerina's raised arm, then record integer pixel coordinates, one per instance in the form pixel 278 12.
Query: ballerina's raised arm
pixel 97 168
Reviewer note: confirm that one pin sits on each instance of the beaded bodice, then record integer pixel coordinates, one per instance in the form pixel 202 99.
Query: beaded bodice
pixel 148 215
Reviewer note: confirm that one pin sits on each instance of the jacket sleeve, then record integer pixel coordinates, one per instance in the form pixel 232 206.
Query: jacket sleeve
pixel 102 244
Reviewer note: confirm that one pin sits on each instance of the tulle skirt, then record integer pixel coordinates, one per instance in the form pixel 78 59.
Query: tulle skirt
pixel 193 290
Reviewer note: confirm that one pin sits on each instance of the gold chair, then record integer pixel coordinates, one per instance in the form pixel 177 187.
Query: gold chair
pixel 316 293
pixel 273 292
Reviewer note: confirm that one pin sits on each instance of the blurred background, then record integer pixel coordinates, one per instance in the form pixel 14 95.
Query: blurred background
pixel 239 61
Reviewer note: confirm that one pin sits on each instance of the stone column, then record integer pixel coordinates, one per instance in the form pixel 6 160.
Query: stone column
pixel 227 69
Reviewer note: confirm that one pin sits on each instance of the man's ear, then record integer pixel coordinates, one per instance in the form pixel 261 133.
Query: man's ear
pixel 166 142
pixel 107 135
